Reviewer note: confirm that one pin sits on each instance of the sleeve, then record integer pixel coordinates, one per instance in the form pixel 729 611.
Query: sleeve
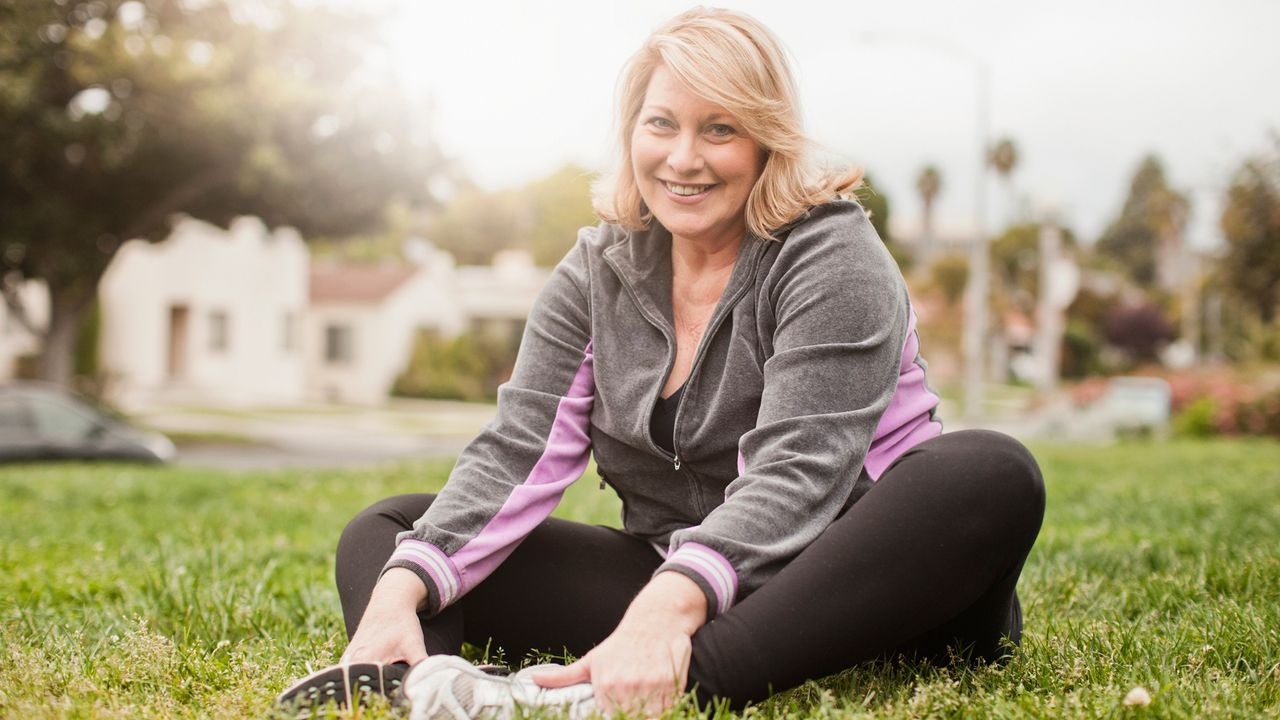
pixel 839 322
pixel 512 475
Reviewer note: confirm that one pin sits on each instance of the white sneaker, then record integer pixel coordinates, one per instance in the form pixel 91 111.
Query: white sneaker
pixel 446 687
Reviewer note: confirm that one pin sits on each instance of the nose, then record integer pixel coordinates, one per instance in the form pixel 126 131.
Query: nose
pixel 685 157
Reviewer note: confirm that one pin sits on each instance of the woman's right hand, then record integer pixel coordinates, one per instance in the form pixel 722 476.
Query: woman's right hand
pixel 390 631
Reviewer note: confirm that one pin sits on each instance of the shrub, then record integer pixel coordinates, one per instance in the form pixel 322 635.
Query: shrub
pixel 467 367
pixel 1197 419
pixel 1139 330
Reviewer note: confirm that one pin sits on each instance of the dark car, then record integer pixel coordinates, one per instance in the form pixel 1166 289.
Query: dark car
pixel 38 422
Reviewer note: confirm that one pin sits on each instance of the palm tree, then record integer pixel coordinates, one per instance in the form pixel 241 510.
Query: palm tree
pixel 1004 158
pixel 928 184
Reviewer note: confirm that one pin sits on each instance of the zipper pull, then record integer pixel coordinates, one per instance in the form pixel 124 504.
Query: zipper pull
pixel 601 482
pixel 677 463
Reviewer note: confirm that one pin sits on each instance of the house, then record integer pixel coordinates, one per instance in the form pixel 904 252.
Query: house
pixel 207 316
pixel 246 317
pixel 362 321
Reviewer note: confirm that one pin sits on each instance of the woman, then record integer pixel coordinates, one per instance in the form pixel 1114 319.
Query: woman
pixel 737 349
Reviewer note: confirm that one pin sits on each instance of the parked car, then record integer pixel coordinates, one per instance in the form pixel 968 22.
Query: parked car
pixel 39 422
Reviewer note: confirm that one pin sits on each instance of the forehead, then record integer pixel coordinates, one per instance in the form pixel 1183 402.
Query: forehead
pixel 665 91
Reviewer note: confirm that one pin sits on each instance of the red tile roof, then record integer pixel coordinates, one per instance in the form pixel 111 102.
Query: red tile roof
pixel 357 283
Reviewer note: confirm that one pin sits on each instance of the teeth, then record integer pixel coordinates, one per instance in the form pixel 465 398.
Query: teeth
pixel 686 189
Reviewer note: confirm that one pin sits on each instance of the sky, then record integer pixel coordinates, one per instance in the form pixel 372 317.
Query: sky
pixel 1085 89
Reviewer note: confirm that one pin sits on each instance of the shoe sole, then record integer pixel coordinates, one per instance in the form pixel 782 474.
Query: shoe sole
pixel 345 685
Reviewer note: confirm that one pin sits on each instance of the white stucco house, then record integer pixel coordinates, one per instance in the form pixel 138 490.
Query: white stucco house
pixel 207 315
pixel 362 321
pixel 246 317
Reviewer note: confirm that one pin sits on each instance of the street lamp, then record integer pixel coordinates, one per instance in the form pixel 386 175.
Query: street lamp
pixel 975 305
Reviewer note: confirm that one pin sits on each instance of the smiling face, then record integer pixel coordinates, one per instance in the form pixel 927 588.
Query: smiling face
pixel 693 163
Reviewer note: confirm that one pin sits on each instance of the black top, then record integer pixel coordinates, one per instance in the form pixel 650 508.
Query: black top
pixel 662 426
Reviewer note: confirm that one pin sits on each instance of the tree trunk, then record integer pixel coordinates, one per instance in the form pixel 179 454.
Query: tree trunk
pixel 67 310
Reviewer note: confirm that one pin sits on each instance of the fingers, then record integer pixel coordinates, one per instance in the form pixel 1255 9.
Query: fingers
pixel 415 655
pixel 572 674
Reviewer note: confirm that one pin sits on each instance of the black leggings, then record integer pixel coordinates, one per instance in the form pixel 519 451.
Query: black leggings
pixel 924 565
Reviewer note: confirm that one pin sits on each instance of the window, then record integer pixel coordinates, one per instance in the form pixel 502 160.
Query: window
pixel 16 423
pixel 60 423
pixel 289 333
pixel 219 331
pixel 338 344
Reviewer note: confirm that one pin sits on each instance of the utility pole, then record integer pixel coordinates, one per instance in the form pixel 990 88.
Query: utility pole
pixel 976 289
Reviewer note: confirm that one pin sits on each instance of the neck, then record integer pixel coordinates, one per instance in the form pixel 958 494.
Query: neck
pixel 698 257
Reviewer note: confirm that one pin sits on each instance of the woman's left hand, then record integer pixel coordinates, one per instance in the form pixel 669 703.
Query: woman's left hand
pixel 643 666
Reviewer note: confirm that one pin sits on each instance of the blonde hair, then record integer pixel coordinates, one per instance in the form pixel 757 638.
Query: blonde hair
pixel 730 59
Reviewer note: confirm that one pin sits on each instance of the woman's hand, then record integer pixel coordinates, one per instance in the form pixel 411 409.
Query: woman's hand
pixel 643 666
pixel 390 631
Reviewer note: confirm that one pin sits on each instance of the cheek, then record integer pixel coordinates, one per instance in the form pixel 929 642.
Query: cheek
pixel 746 165
pixel 643 156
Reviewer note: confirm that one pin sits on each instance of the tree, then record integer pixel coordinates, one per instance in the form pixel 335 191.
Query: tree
pixel 115 115
pixel 1251 227
pixel 1152 212
pixel 1004 158
pixel 877 205
pixel 542 217
pixel 1139 330
pixel 928 184
pixel 1015 257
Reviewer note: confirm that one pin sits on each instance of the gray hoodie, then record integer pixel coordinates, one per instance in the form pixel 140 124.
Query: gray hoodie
pixel 807 379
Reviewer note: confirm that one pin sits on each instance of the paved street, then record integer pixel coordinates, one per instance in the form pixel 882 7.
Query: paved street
pixel 324 435
pixel 317 435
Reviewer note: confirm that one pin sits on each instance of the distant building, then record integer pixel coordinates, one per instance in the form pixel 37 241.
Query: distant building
pixel 246 317
pixel 207 316
pixel 363 319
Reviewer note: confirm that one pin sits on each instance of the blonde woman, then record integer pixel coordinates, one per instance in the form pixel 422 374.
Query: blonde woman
pixel 736 347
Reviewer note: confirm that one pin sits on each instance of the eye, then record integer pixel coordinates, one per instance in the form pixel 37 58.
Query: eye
pixel 721 130
pixel 659 123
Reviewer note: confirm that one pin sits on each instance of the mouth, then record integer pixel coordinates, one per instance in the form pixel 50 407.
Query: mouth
pixel 687 191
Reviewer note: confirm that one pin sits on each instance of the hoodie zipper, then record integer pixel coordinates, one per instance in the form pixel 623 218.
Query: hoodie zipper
pixel 712 328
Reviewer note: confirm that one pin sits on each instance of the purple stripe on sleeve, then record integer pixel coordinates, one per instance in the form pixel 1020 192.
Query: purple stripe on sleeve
pixel 713 568
pixel 434 562
pixel 909 418
pixel 563 460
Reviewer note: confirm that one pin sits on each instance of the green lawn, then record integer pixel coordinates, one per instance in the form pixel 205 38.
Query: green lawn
pixel 165 592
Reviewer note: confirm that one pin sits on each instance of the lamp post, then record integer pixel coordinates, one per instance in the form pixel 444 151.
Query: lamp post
pixel 976 289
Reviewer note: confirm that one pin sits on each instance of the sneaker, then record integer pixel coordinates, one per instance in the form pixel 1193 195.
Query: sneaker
pixel 345 686
pixel 446 687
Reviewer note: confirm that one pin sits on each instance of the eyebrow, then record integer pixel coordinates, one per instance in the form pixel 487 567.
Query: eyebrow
pixel 713 117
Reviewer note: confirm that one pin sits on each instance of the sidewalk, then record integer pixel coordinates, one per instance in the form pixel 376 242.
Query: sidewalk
pixel 317 435
pixel 322 435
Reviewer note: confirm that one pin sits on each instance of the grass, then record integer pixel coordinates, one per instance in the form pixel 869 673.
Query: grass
pixel 139 592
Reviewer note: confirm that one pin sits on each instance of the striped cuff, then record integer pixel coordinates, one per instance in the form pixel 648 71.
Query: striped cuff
pixel 710 570
pixel 435 569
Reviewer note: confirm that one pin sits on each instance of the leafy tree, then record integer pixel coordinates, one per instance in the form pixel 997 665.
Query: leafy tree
pixel 542 217
pixel 559 205
pixel 1151 211
pixel 1251 226
pixel 1015 258
pixel 950 274
pixel 928 184
pixel 115 115
pixel 1140 330
pixel 1003 158
pixel 876 202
